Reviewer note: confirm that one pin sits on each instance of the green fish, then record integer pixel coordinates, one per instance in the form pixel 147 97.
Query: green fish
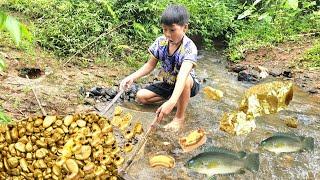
pixel 223 161
pixel 283 142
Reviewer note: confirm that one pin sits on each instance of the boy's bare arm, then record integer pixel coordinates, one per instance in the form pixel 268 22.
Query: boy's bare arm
pixel 146 68
pixel 184 72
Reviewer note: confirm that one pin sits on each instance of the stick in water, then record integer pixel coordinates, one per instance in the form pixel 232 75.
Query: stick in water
pixel 112 102
pixel 38 101
pixel 141 144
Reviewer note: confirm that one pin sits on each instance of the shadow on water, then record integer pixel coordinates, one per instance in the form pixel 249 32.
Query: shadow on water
pixel 205 113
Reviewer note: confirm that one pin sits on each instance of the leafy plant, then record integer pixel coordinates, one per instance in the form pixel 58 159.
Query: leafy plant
pixel 66 26
pixel 312 56
pixel 265 23
pixel 4 118
pixel 17 31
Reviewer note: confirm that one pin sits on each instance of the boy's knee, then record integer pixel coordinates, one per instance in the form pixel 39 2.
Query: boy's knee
pixel 140 97
pixel 189 83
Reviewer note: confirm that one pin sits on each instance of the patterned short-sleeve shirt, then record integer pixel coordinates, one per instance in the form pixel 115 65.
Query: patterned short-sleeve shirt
pixel 171 64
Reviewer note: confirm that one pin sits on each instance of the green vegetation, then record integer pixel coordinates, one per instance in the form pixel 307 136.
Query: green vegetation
pixel 17 31
pixel 271 22
pixel 123 29
pixel 312 56
pixel 4 118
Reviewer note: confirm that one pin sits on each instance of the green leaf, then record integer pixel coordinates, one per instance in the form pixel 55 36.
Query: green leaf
pixel 292 4
pixel 2 65
pixel 4 119
pixel 3 18
pixel 25 33
pixel 111 12
pixel 139 27
pixel 13 26
pixel 155 29
pixel 245 14
pixel 309 4
pixel 266 17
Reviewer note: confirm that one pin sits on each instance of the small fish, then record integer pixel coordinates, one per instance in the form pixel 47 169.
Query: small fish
pixel 283 142
pixel 223 161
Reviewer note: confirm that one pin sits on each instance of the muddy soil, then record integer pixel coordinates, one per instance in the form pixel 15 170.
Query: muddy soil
pixel 283 60
pixel 57 87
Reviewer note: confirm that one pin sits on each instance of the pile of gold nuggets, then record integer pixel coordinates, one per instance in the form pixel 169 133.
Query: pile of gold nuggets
pixel 79 146
pixel 259 100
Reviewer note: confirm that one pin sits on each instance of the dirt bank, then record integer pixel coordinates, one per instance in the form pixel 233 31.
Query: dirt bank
pixel 282 60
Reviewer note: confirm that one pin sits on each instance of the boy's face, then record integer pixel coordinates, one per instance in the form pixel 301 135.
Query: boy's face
pixel 174 33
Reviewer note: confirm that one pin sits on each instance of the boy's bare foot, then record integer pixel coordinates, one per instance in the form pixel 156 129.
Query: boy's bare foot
pixel 175 125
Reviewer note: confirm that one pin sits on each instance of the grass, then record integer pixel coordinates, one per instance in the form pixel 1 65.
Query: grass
pixel 312 56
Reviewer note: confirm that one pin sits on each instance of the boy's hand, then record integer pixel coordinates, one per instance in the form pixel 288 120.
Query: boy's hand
pixel 126 83
pixel 165 109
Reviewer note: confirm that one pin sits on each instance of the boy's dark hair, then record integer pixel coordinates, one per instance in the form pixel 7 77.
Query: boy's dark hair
pixel 175 14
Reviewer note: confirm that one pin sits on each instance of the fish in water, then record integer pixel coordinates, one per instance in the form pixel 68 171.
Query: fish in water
pixel 284 142
pixel 216 160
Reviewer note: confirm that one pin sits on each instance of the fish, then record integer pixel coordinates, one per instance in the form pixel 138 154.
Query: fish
pixel 287 143
pixel 215 160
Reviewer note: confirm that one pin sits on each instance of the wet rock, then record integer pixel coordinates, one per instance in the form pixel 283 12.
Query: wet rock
pixel 204 80
pixel 248 75
pixel 132 95
pixel 89 101
pixel 263 72
pixel 275 72
pixel 287 73
pixel 97 91
pixel 238 68
pixel 82 91
pixel 313 90
pixel 291 122
pixel 100 94
pixel 111 92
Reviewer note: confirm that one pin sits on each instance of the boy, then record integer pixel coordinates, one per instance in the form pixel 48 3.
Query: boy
pixel 177 54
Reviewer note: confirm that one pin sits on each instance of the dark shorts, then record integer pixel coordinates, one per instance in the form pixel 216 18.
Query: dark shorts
pixel 165 90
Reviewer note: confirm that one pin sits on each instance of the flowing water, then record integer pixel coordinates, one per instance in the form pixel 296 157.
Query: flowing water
pixel 205 113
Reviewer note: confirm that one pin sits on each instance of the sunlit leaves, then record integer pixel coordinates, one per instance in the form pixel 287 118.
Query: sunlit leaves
pixel 25 32
pixel 312 56
pixel 155 29
pixel 14 27
pixel 2 65
pixel 3 18
pixel 4 118
pixel 111 12
pixel 16 30
pixel 249 11
pixel 139 28
pixel 245 13
pixel 292 4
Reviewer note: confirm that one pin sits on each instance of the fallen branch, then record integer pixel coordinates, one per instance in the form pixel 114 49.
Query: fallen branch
pixel 95 40
pixel 35 95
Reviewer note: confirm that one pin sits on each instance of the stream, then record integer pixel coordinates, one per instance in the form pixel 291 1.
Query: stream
pixel 206 114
